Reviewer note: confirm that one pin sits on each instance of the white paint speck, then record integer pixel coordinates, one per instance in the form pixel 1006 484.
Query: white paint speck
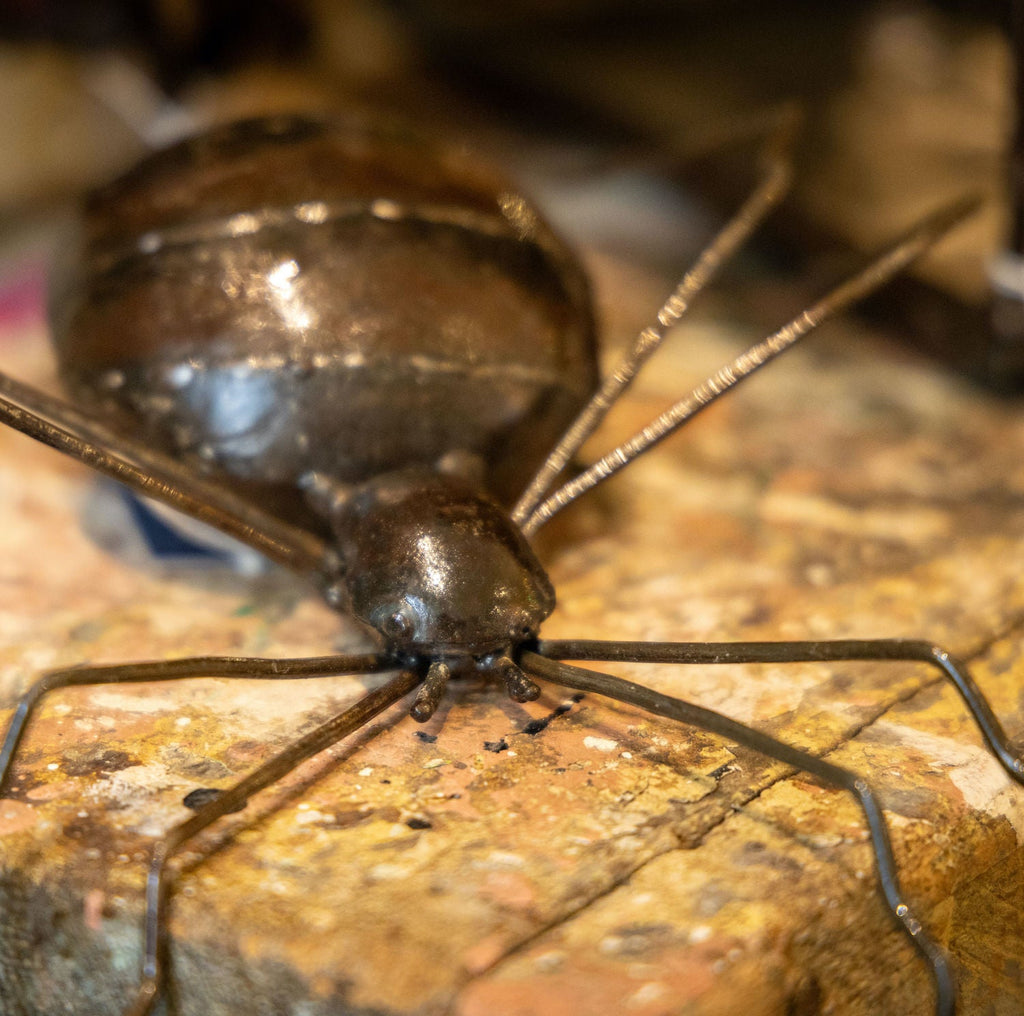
pixel 113 380
pixel 600 743
pixel 311 816
pixel 281 276
pixel 504 859
pixel 313 212
pixel 126 703
pixel 549 961
pixel 653 991
pixel 180 375
pixel 243 224
pixel 386 872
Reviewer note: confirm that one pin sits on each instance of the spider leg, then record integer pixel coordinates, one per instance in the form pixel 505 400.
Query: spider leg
pixel 256 668
pixel 834 651
pixel 664 705
pixel 158 882
pixel 155 474
pixel 234 798
pixel 877 272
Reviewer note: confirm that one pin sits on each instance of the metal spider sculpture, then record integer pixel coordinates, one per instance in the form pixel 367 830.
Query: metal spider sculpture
pixel 402 535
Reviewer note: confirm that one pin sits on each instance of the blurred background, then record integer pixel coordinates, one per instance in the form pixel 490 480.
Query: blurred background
pixel 634 123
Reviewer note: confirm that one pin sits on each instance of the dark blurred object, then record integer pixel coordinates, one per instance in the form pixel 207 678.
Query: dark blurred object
pixel 204 324
pixel 907 104
pixel 1008 267
pixel 177 37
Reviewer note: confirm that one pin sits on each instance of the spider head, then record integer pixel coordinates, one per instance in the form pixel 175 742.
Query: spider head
pixel 438 570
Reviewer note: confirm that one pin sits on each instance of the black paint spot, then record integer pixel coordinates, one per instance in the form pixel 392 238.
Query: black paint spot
pixel 418 823
pixel 496 746
pixel 425 737
pixel 202 796
pixel 536 726
pixel 807 999
pixel 755 853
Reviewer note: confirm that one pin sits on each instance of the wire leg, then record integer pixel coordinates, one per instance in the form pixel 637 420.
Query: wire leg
pixel 879 271
pixel 158 884
pixel 685 712
pixel 774 182
pixel 865 650
pixel 256 668
pixel 62 426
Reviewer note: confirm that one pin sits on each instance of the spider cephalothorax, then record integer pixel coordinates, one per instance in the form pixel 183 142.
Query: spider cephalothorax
pixel 443 575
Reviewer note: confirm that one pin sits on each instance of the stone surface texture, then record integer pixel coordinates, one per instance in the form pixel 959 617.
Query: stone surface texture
pixel 612 862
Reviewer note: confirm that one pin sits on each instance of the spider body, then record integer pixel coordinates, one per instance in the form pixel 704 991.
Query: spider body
pixel 287 296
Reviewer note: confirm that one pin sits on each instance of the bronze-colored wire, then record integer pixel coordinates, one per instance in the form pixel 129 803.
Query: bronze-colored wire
pixel 888 264
pixel 772 187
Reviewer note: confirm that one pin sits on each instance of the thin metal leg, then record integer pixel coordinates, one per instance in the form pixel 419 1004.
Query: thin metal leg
pixel 774 182
pixel 158 884
pixel 685 712
pixel 879 271
pixel 145 469
pixel 257 668
pixel 834 651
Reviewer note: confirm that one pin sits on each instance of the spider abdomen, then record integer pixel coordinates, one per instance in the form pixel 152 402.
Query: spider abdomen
pixel 287 296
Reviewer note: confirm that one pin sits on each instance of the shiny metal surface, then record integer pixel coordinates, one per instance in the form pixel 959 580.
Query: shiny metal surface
pixel 438 569
pixel 284 296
